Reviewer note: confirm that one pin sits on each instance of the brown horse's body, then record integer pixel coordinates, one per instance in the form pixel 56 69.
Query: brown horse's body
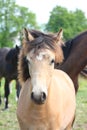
pixel 47 98
pixel 58 111
pixel 76 59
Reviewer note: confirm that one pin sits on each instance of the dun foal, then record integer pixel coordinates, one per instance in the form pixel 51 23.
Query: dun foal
pixel 47 98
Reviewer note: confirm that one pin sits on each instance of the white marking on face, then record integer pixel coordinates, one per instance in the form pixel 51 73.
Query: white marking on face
pixel 40 56
pixel 29 55
pixel 38 89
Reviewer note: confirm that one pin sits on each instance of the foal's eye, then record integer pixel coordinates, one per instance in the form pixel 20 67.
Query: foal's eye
pixel 52 61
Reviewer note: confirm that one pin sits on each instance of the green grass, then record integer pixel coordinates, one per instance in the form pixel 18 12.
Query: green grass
pixel 81 110
pixel 8 120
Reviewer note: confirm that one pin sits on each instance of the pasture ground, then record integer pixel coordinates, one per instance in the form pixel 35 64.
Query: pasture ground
pixel 8 120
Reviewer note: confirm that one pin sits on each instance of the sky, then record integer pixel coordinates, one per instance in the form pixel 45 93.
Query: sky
pixel 42 8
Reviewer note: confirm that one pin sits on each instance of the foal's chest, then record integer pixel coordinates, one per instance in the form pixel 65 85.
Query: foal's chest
pixel 38 127
pixel 43 124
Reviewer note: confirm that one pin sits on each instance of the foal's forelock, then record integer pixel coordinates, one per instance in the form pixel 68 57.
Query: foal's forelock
pixel 45 42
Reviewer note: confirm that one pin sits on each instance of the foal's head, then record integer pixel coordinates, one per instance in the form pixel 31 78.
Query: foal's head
pixel 41 53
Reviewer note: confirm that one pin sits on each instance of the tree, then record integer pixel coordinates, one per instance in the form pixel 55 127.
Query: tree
pixel 71 22
pixel 12 20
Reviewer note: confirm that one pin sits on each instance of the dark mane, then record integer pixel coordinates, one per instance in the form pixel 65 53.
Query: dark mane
pixel 67 48
pixel 12 55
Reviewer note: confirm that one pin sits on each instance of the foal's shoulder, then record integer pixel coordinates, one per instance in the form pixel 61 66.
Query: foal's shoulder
pixel 63 76
pixel 60 72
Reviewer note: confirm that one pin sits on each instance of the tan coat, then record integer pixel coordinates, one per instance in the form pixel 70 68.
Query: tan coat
pixel 58 111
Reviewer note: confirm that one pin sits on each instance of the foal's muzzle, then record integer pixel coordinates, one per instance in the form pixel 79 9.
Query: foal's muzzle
pixel 38 99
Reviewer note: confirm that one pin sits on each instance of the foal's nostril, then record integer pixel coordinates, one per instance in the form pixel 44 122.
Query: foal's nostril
pixel 38 98
pixel 43 96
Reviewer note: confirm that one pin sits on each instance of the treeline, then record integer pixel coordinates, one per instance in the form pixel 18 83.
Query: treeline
pixel 72 22
pixel 13 18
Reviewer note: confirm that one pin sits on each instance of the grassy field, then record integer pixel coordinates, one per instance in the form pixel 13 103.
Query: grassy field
pixel 8 120
pixel 81 110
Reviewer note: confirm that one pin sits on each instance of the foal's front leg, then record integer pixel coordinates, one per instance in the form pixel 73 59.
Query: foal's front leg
pixel 22 125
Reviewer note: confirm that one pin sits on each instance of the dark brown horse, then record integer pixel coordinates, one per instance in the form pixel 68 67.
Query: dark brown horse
pixel 75 53
pixel 8 69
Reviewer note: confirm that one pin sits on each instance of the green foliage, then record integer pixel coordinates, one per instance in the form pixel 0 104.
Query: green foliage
pixel 71 22
pixel 13 19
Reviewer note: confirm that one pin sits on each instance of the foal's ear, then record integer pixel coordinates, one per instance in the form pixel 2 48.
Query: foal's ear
pixel 59 53
pixel 59 37
pixel 27 35
pixel 60 33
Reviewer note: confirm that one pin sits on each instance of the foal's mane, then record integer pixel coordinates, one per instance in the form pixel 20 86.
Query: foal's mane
pixel 41 40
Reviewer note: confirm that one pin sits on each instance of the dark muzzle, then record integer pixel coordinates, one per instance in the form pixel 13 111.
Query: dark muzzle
pixel 38 99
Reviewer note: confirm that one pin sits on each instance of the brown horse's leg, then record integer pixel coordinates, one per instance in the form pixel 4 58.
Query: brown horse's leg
pixel 7 92
pixel 0 92
pixel 18 88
